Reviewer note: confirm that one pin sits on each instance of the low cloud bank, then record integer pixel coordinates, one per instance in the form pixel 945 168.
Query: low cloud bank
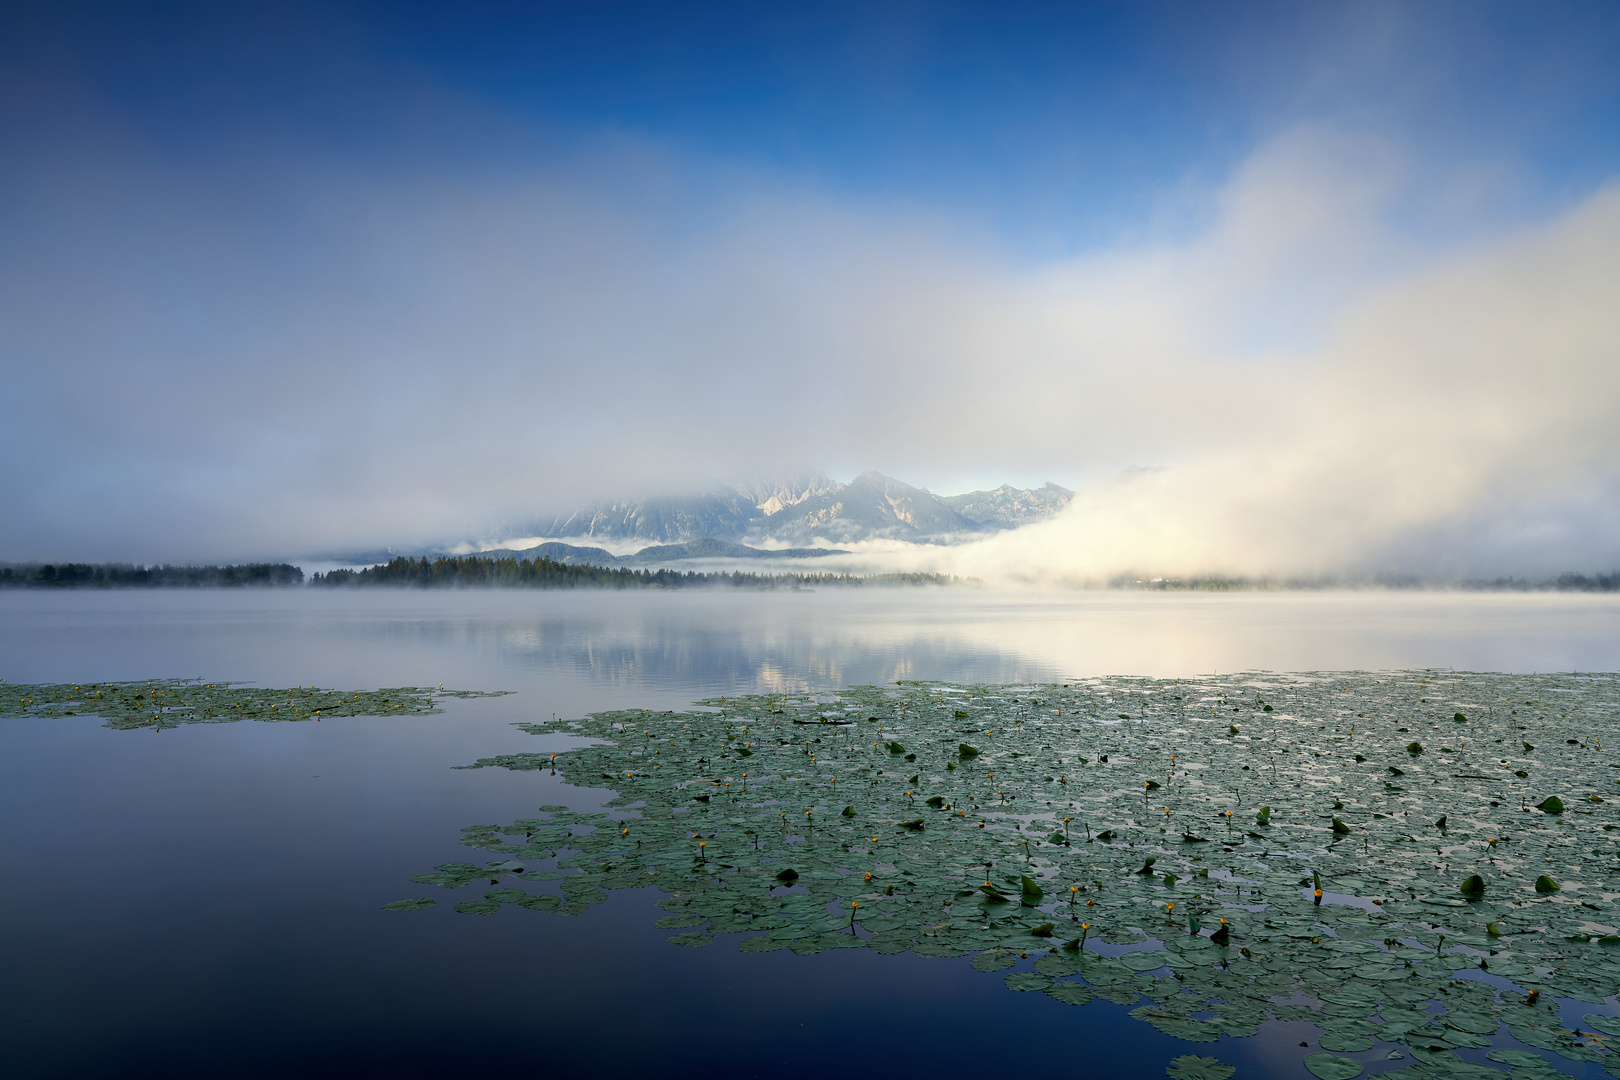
pixel 248 359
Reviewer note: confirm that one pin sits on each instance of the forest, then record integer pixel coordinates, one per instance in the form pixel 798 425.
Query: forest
pixel 543 573
pixel 126 575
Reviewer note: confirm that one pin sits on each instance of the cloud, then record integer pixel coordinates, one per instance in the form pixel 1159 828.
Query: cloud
pixel 1462 420
pixel 273 352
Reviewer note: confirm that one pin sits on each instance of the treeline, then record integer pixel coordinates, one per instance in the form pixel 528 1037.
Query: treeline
pixel 1569 582
pixel 126 575
pixel 544 573
pixel 1563 583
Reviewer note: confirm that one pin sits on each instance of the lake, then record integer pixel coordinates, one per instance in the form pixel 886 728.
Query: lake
pixel 207 899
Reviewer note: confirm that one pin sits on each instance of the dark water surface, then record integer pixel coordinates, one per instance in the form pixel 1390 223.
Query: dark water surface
pixel 205 901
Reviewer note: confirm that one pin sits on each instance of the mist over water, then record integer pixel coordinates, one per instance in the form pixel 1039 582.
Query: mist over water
pixel 591 650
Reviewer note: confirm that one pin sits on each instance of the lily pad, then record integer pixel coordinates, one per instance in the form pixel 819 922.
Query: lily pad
pixel 1388 970
pixel 169 703
pixel 1191 1067
pixel 1070 993
pixel 1332 1067
pixel 409 905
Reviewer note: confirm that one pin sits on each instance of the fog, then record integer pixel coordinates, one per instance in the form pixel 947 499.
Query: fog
pixel 264 351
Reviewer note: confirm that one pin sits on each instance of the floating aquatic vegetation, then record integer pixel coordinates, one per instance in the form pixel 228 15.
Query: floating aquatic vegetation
pixel 1363 888
pixel 167 703
pixel 1333 1067
pixel 1192 1067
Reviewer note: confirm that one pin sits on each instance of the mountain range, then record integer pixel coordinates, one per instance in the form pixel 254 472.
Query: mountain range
pixel 807 509
pixel 656 554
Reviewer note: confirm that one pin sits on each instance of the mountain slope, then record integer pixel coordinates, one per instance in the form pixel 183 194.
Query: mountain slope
pixel 723 515
pixel 1008 507
pixel 808 507
pixel 872 506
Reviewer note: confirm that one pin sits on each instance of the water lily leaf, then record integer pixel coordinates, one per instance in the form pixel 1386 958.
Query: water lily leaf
pixel 1027 980
pixel 1552 804
pixel 1176 1024
pixel 994 960
pixel 1546 884
pixel 1609 1025
pixel 541 902
pixel 1473 886
pixel 478 907
pixel 1344 1043
pixel 1332 1067
pixel 1263 816
pixel 1190 1067
pixel 1508 1055
pixel 693 940
pixel 1070 993
pixel 409 905
pixel 1144 961
pixel 1477 1022
pixel 965 751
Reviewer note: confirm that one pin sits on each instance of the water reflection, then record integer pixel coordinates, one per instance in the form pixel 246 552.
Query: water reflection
pixel 606 649
pixel 207 901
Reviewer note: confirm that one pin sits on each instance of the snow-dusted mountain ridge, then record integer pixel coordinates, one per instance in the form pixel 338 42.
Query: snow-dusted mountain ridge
pixel 806 509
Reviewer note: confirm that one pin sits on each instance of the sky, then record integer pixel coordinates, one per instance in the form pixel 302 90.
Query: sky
pixel 285 279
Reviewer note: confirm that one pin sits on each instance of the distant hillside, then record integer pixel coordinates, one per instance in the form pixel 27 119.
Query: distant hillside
pixel 1008 507
pixel 709 548
pixel 657 554
pixel 566 554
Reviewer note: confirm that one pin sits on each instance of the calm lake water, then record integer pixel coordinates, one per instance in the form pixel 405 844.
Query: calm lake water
pixel 206 900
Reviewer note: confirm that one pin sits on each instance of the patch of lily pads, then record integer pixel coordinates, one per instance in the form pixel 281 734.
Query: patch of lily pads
pixel 167 703
pixel 1427 859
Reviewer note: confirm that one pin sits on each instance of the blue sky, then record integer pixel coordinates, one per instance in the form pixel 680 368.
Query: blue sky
pixel 1055 127
pixel 687 240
